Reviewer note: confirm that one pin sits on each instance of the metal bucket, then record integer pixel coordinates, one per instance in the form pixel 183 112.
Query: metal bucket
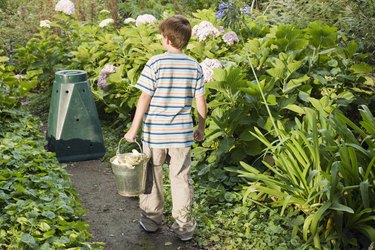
pixel 130 175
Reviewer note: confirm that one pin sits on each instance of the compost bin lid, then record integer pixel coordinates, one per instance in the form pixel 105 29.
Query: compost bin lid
pixel 70 76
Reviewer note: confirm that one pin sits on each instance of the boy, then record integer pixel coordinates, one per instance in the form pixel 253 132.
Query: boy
pixel 169 82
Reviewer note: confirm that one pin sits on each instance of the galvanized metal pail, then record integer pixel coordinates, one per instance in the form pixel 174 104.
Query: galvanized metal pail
pixel 130 174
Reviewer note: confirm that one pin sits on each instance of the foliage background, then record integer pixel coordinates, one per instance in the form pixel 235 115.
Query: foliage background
pixel 288 79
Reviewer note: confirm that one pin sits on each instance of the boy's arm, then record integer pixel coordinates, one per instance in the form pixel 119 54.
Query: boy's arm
pixel 142 106
pixel 202 113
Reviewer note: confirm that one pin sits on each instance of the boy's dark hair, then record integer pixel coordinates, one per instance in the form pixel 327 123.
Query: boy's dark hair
pixel 177 29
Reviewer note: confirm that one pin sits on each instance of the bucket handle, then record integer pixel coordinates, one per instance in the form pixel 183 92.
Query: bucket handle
pixel 119 143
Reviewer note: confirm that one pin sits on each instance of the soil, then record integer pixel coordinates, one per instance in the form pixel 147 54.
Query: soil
pixel 114 219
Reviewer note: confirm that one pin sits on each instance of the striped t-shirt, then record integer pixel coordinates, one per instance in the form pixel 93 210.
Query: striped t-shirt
pixel 173 80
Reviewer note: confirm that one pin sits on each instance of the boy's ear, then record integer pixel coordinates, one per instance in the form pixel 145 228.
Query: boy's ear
pixel 167 40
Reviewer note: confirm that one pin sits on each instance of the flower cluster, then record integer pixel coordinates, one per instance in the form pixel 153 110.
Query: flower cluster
pixel 65 6
pixel 223 8
pixel 208 65
pixel 106 22
pixel 233 14
pixel 146 18
pixel 205 29
pixel 45 24
pixel 230 38
pixel 103 76
pixel 129 20
pixel 226 8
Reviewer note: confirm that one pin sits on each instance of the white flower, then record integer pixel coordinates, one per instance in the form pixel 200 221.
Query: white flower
pixel 45 23
pixel 129 20
pixel 230 38
pixel 65 6
pixel 102 80
pixel 146 18
pixel 208 65
pixel 20 77
pixel 106 22
pixel 104 12
pixel 204 29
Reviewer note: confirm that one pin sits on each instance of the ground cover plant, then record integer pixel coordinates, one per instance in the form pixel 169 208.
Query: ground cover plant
pixel 293 102
pixel 41 210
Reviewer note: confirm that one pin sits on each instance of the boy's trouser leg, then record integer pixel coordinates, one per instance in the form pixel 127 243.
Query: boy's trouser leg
pixel 181 187
pixel 152 204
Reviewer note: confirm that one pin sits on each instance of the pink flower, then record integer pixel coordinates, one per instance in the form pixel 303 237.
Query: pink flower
pixel 208 65
pixel 230 38
pixel 103 76
pixel 205 29
pixel 65 6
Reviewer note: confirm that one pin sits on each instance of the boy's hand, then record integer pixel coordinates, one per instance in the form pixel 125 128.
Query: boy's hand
pixel 130 136
pixel 199 134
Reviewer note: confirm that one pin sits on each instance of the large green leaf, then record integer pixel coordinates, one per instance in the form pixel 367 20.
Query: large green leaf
pixel 361 68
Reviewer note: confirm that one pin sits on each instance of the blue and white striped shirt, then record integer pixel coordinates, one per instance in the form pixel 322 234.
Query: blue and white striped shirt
pixel 173 80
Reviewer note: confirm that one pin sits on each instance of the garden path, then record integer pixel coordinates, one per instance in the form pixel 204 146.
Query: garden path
pixel 113 219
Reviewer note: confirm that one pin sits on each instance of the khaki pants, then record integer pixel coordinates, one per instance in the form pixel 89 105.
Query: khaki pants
pixel 152 205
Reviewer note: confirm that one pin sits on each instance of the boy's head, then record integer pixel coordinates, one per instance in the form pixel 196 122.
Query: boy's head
pixel 177 30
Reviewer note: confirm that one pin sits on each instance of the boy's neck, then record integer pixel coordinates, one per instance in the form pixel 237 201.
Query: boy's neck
pixel 174 51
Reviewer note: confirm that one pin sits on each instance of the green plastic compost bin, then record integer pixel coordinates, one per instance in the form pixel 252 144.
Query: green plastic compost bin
pixel 74 132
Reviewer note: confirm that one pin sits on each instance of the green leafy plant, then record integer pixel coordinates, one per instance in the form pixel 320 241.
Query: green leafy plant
pixel 322 169
pixel 37 200
pixel 13 87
